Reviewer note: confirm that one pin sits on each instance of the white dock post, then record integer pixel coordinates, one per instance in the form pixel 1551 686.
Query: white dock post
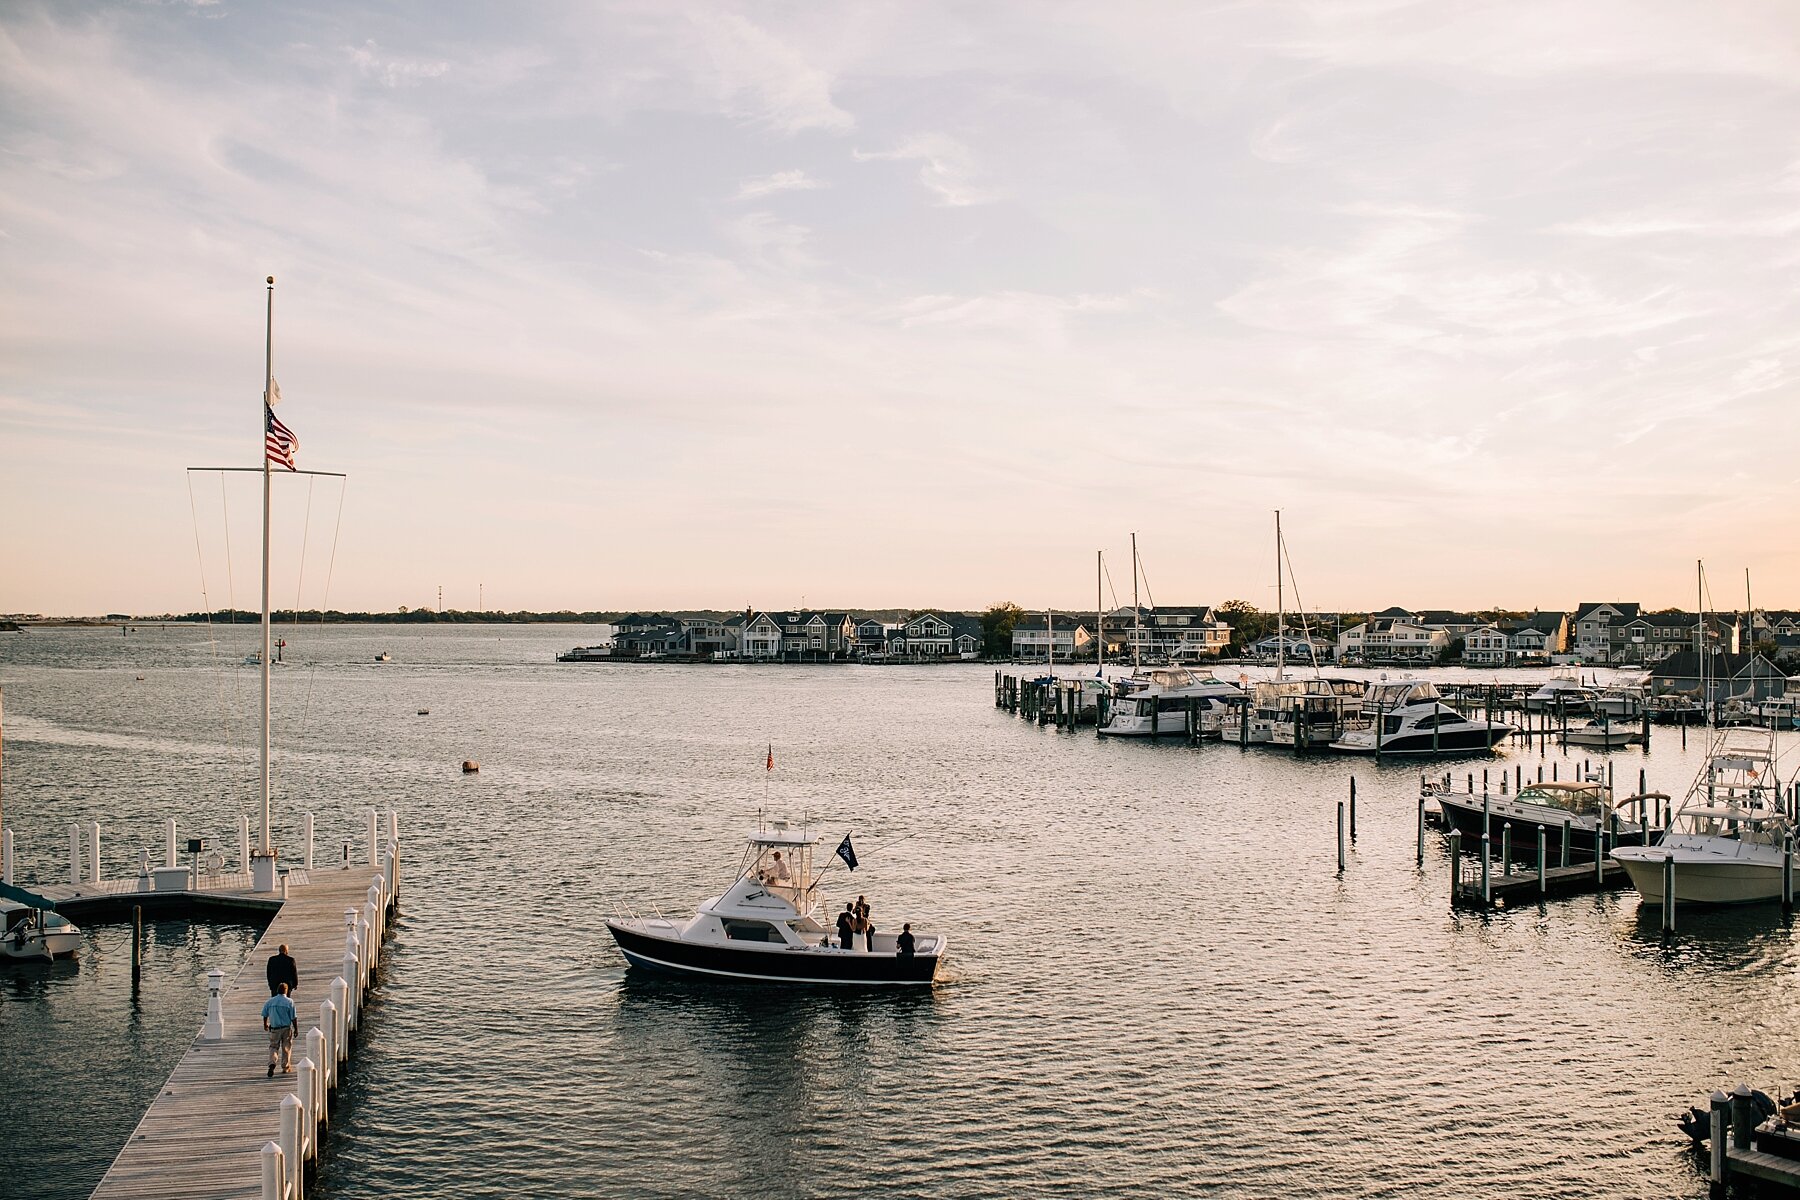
pixel 328 1024
pixel 94 852
pixel 393 824
pixel 169 843
pixel 291 1146
pixel 306 834
pixel 306 1087
pixel 244 842
pixel 74 853
pixel 214 1029
pixel 373 818
pixel 377 890
pixel 6 857
pixel 340 1002
pixel 315 1054
pixel 274 1173
pixel 369 947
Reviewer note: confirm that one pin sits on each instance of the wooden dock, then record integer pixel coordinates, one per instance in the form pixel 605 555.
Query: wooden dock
pixel 221 1128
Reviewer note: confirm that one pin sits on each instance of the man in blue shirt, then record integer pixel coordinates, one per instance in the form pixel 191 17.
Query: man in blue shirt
pixel 278 1019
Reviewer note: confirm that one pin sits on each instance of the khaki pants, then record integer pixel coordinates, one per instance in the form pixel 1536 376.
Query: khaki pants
pixel 281 1047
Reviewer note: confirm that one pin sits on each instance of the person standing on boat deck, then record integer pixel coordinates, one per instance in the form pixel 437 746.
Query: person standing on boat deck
pixel 903 945
pixel 278 1019
pixel 846 925
pixel 283 970
pixel 867 926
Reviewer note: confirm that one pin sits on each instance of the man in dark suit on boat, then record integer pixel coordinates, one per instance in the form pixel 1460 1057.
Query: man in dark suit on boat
pixel 846 925
pixel 282 969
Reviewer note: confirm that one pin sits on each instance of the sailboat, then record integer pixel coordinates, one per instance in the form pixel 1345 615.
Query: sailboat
pixel 279 449
pixel 1156 703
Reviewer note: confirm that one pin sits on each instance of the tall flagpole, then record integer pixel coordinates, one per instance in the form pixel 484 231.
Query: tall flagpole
pixel 268 394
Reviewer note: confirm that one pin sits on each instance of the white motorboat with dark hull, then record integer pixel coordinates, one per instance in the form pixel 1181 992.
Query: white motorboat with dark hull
pixel 1578 811
pixel 1410 717
pixel 763 929
pixel 1602 734
pixel 1562 694
pixel 1727 841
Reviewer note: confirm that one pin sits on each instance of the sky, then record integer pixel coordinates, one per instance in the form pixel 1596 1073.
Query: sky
pixel 639 305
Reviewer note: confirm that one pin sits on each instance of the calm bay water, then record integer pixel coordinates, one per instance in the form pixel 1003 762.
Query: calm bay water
pixel 1158 983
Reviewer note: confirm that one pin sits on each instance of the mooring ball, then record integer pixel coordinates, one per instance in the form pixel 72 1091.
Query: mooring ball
pixel 470 766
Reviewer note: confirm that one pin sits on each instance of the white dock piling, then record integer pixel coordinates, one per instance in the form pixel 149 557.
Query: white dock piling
pixel 329 1024
pixel 1543 837
pixel 94 852
pixel 169 843
pixel 393 824
pixel 74 853
pixel 373 820
pixel 214 1029
pixel 274 1173
pixel 6 856
pixel 306 1088
pixel 243 841
pixel 291 1109
pixel 306 837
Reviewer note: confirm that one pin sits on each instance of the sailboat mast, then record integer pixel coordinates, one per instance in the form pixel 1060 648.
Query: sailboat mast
pixel 1280 605
pixel 1050 643
pixel 1137 613
pixel 268 394
pixel 1700 637
pixel 1100 607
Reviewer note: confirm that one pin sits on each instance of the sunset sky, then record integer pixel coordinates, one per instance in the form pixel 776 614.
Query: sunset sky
pixel 613 306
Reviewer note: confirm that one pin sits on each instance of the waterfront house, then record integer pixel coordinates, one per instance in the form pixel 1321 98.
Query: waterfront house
pixel 1293 647
pixel 708 636
pixel 761 637
pixel 936 635
pixel 1068 636
pixel 1178 632
pixel 1390 639
pixel 1592 628
pixel 871 637
pixel 1456 624
pixel 1537 638
pixel 1486 646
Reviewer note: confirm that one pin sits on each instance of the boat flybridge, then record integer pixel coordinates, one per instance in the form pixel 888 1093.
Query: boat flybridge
pixel 1298 713
pixel 1726 841
pixel 1410 717
pixel 1564 694
pixel 765 928
pixel 1155 703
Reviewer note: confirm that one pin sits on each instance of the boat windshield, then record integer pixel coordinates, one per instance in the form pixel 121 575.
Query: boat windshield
pixel 1583 799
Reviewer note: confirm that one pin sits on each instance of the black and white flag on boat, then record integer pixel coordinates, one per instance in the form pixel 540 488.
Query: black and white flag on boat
pixel 847 852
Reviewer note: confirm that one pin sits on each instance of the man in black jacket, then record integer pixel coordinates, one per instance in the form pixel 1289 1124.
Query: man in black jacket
pixel 283 970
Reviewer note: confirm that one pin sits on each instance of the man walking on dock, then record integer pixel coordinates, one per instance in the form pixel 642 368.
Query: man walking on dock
pixel 282 969
pixel 278 1018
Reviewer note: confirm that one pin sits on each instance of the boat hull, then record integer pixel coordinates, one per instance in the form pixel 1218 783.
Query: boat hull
pixel 1465 817
pixel 41 946
pixel 1475 740
pixel 1699 881
pixel 773 964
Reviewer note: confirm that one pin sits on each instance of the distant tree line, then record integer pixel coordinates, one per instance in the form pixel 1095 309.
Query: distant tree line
pixel 401 616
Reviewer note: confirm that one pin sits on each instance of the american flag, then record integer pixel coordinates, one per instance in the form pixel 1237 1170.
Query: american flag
pixel 279 442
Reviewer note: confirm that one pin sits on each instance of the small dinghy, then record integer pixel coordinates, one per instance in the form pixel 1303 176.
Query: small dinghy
pixel 32 932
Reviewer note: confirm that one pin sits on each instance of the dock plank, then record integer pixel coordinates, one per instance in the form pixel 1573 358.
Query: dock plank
pixel 202 1137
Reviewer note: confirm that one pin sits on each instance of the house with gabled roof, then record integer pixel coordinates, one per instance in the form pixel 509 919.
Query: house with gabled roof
pixel 1593 621
pixel 1034 636
pixel 1537 638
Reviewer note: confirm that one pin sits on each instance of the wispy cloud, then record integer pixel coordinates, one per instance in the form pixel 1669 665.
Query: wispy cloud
pixel 780 181
pixel 393 70
pixel 949 169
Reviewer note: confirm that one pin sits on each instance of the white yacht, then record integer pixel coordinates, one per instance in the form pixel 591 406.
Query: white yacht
pixel 1621 702
pixel 1410 717
pixel 1154 703
pixel 1782 712
pixel 765 927
pixel 1726 840
pixel 1603 734
pixel 1562 693
pixel 33 932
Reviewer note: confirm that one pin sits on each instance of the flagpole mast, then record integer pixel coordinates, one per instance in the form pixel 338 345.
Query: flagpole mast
pixel 268 392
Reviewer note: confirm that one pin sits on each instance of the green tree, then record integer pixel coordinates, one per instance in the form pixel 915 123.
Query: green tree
pixel 997 629
pixel 1248 623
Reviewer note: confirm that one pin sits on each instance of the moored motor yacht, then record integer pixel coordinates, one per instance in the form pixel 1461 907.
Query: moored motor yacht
pixel 1563 694
pixel 1410 717
pixel 764 928
pixel 1726 843
pixel 1155 703
pixel 1603 734
pixel 1577 810
pixel 1621 702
